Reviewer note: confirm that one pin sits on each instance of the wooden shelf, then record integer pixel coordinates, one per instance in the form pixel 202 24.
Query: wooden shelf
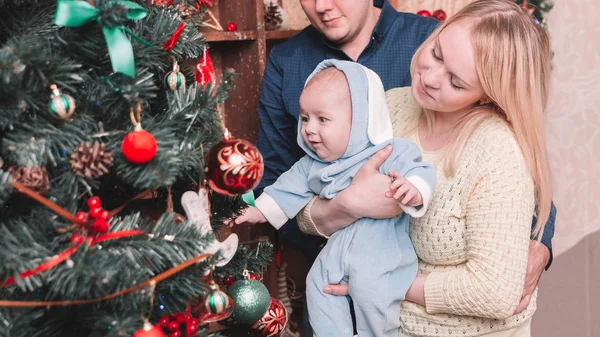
pixel 215 36
pixel 281 34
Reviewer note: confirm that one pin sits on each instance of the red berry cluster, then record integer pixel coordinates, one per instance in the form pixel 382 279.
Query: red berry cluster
pixel 95 220
pixel 174 323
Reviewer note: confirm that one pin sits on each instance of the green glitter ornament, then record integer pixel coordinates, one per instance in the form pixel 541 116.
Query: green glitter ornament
pixel 251 300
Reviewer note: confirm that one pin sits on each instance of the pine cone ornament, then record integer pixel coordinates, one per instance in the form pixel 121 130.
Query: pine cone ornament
pixel 36 178
pixel 91 161
pixel 273 18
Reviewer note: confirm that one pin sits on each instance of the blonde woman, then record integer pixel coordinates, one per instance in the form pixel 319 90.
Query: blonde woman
pixel 476 110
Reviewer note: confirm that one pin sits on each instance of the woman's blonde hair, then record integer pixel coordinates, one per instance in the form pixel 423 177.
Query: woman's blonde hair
pixel 512 58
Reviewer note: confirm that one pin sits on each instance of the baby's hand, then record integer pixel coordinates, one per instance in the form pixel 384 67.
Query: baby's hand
pixel 251 215
pixel 404 191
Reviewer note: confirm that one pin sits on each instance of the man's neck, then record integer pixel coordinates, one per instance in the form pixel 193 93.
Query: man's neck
pixel 355 47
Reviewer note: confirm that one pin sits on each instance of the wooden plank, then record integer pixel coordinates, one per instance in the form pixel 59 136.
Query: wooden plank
pixel 216 36
pixel 281 34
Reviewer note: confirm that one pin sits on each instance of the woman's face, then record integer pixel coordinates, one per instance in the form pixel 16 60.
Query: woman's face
pixel 445 79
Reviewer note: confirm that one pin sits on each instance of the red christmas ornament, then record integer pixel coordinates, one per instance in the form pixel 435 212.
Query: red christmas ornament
pixel 231 26
pixel 440 15
pixel 424 13
pixel 139 146
pixel 100 226
pixel 234 166
pixel 173 326
pixel 76 239
pixel 81 216
pixel 205 71
pixel 149 330
pixel 164 322
pixel 96 212
pixel 273 323
pixel 94 202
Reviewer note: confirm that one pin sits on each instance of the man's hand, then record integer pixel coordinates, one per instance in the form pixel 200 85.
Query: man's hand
pixel 538 258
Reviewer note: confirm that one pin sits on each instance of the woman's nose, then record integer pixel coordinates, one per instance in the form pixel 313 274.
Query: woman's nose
pixel 432 78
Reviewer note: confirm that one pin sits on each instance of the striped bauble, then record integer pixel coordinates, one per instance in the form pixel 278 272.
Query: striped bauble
pixel 62 106
pixel 174 80
pixel 216 302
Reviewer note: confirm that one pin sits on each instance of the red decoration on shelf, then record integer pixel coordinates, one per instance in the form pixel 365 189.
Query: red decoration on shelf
pixel 424 13
pixel 149 330
pixel 440 15
pixel 231 26
pixel 139 146
pixel 274 321
pixel 205 71
pixel 172 41
pixel 234 166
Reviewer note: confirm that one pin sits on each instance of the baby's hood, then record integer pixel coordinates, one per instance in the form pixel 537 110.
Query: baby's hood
pixel 371 123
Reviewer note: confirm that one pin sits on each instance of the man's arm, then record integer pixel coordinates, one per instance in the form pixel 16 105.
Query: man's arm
pixel 548 233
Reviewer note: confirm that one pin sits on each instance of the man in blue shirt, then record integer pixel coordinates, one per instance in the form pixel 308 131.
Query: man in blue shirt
pixel 374 34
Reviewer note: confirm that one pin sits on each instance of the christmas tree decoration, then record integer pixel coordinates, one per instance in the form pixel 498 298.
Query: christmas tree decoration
pixel 231 26
pixel 251 300
pixel 273 322
pixel 273 17
pixel 149 330
pixel 525 5
pixel 234 166
pixel 174 79
pixel 61 105
pixel 139 146
pixel 205 72
pixel 36 178
pixel 424 13
pixel 91 160
pixel 439 15
pixel 216 301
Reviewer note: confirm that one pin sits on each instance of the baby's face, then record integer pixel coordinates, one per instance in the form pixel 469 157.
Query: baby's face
pixel 326 115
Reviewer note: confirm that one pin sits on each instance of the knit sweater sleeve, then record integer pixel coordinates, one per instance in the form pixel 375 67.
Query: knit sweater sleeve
pixel 498 218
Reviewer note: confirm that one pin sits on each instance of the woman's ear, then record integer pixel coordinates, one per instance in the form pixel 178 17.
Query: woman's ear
pixel 485 100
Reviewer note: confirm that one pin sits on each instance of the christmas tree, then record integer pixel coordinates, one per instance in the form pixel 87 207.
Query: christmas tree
pixel 108 220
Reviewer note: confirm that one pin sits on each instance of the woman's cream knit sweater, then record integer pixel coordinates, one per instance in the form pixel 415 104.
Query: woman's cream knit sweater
pixel 473 241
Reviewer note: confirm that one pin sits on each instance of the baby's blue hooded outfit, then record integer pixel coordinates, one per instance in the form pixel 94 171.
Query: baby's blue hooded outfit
pixel 374 256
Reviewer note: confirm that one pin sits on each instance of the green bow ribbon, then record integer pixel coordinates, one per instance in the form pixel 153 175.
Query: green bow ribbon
pixel 71 13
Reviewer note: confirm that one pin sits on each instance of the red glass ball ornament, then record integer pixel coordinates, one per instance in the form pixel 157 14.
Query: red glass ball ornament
pixel 164 322
pixel 231 26
pixel 424 13
pixel 173 326
pixel 76 239
pixel 273 322
pixel 253 276
pixel 81 216
pixel 180 317
pixel 439 14
pixel 100 226
pixel 96 212
pixel 139 146
pixel 234 166
pixel 149 330
pixel 94 202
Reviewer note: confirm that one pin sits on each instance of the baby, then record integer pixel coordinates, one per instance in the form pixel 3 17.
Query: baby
pixel 344 120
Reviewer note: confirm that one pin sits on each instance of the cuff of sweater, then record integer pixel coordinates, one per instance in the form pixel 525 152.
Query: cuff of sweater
pixel 305 222
pixel 434 293
pixel 271 210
